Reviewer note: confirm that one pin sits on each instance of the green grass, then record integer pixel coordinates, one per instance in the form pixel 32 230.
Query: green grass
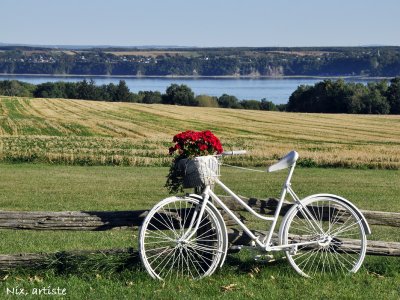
pixel 57 188
pixel 273 281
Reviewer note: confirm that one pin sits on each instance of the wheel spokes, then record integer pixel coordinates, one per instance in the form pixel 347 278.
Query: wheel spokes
pixel 167 253
pixel 340 239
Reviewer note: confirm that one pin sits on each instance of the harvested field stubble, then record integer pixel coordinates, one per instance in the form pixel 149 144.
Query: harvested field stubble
pixel 105 133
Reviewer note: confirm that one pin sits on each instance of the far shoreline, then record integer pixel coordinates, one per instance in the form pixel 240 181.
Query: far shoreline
pixel 194 77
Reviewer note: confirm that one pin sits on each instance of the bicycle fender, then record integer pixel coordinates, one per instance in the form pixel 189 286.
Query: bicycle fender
pixel 222 224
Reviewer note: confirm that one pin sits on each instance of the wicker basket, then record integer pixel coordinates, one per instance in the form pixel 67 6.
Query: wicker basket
pixel 199 171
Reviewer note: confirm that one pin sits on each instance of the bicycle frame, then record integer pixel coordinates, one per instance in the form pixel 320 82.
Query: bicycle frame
pixel 319 233
pixel 266 242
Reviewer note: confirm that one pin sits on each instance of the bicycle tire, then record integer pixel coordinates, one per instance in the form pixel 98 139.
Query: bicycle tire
pixel 162 252
pixel 336 232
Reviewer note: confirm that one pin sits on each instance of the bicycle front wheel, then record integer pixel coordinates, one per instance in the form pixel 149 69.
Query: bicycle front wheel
pixel 165 249
pixel 327 237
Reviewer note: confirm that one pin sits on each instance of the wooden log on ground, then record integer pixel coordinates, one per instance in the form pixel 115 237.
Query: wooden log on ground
pixel 106 220
pixel 268 206
pixel 380 248
pixel 236 237
pixel 44 260
pixel 71 220
pixel 77 220
pixel 382 218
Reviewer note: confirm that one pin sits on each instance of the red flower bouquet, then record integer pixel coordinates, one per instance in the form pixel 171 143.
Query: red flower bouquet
pixel 195 143
pixel 189 144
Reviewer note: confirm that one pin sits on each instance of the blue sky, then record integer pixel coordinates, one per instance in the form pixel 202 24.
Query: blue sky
pixel 206 23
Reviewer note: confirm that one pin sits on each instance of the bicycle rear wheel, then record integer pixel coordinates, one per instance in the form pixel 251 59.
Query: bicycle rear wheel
pixel 330 237
pixel 164 250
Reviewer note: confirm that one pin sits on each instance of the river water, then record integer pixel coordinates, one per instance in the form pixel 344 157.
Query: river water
pixel 277 90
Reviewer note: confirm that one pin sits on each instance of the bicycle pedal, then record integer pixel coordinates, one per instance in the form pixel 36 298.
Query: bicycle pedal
pixel 234 249
pixel 293 250
pixel 264 258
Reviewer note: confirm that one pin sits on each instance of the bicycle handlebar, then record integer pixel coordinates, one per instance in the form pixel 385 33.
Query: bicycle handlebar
pixel 234 152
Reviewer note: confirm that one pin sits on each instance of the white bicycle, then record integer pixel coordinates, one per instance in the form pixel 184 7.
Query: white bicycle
pixel 187 237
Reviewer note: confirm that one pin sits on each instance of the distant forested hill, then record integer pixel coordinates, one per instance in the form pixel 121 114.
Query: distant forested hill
pixel 342 61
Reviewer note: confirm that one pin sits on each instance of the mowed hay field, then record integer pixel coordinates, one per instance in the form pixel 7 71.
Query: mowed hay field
pixel 105 133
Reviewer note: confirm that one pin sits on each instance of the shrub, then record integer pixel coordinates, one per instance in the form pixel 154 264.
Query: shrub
pixel 207 101
pixel 150 97
pixel 228 101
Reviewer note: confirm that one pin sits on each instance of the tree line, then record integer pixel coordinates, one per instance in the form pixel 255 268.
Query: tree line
pixel 87 90
pixel 327 96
